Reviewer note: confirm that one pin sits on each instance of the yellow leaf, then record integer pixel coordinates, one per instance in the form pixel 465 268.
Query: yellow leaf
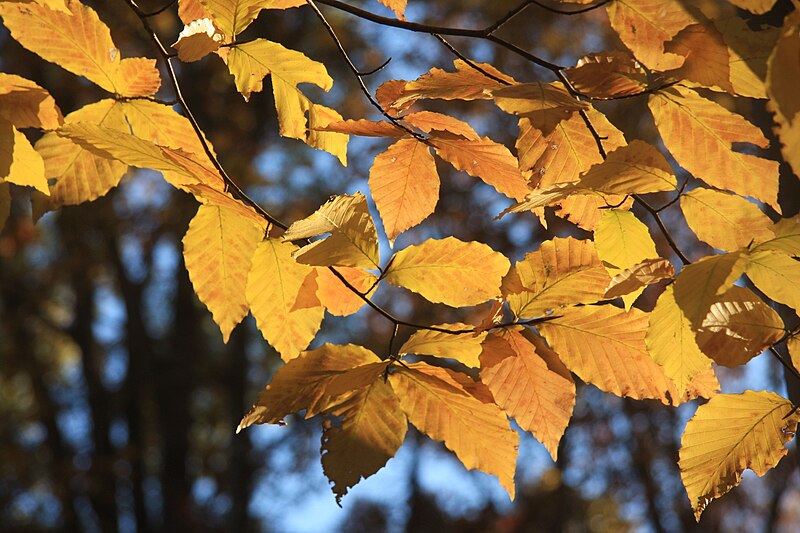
pixel 353 240
pixel 250 62
pixel 787 237
pixel 539 399
pixel 607 75
pixel 464 347
pixel 311 382
pixel 449 271
pixel 636 168
pixel 638 276
pixel 81 43
pixel 233 16
pixel 217 250
pixel 214 197
pixel 704 385
pixel 622 240
pixel 26 105
pixel 398 6
pixel 373 428
pixel 777 276
pixel 276 282
pixel 179 168
pixel 793 346
pixel 364 128
pixel 645 25
pixel 197 40
pixel 405 185
pixel 725 221
pixel 430 122
pixel 729 434
pixel 671 342
pixel 465 83
pixel 782 72
pixel 191 10
pixel 562 272
pixel 700 134
pixel 19 162
pixel 605 346
pixel 707 59
pixel 337 298
pixel 738 327
pixel 484 159
pixel 544 104
pixel 81 175
pixel 443 406
pixel 698 284
pixel 748 52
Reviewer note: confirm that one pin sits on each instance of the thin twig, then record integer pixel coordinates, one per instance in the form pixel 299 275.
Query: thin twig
pixel 667 235
pixel 678 197
pixel 376 69
pixel 469 62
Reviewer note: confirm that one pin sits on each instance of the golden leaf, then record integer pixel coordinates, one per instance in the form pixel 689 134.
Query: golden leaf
pixel 26 105
pixel 364 128
pixel 398 6
pixel 562 272
pixel 605 346
pixel 782 72
pixel 217 249
pixel 444 407
pixel 698 284
pixel 336 297
pixel 464 347
pixel 373 428
pixel 19 162
pixel 777 276
pixel 449 271
pixel 353 240
pixel 622 240
pixel 671 342
pixel 539 399
pixel 707 59
pixel 233 16
pixel 405 185
pixel 197 40
pixel 759 7
pixel 484 159
pixel 465 83
pixel 638 276
pixel 81 43
pixel 430 122
pixel 607 75
pixel 738 327
pixel 700 134
pixel 725 221
pixel 748 52
pixel 276 282
pixel 645 25
pixel 544 104
pixel 312 381
pixel 787 237
pixel 730 433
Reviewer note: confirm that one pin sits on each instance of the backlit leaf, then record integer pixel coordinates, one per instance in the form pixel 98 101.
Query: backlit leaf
pixel 544 104
pixel 353 240
pixel 539 399
pixel 758 7
pixel 274 285
pixel 233 16
pixel 729 434
pixel 449 271
pixel 465 347
pixel 430 122
pixel 405 185
pixel 698 285
pixel 484 159
pixel 398 6
pixel 217 249
pixel 440 405
pixel 19 162
pixel 311 382
pixel 622 240
pixel 197 40
pixel 26 105
pixel 645 25
pixel 725 221
pixel 776 275
pixel 783 70
pixel 562 272
pixel 337 298
pixel 605 346
pixel 639 275
pixel 607 74
pixel 700 134
pixel 787 237
pixel 81 43
pixel 739 326
pixel 671 342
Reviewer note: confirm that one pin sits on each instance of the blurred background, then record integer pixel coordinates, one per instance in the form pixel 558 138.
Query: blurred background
pixel 118 400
